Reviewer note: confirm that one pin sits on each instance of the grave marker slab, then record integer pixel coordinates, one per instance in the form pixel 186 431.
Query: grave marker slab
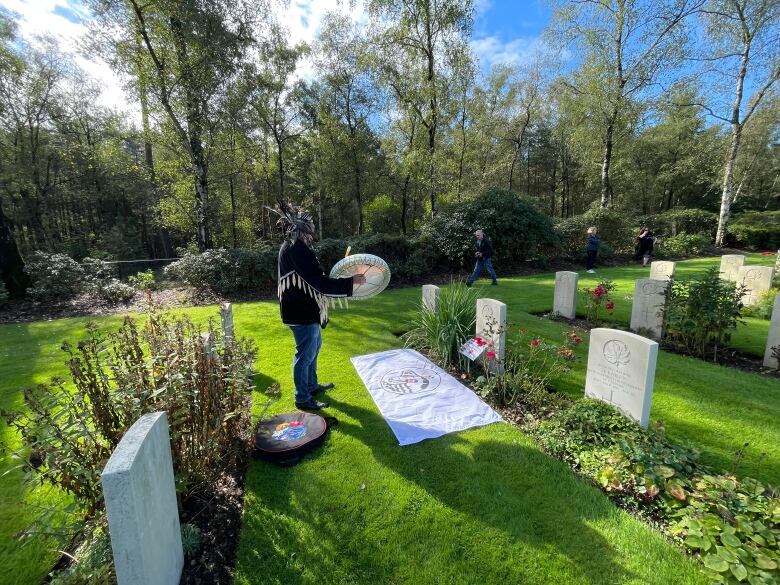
pixel 208 345
pixel 661 270
pixel 140 497
pixel 755 279
pixel 226 315
pixel 647 310
pixel 621 371
pixel 565 296
pixel 777 262
pixel 729 266
pixel 773 339
pixel 491 326
pixel 430 296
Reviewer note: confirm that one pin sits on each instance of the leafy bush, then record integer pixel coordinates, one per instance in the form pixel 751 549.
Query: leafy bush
pixel 443 332
pixel 93 563
pixel 732 524
pixel 143 280
pixel 684 220
pixel 54 276
pixel 529 365
pixel 518 229
pixel 617 229
pixel 191 539
pixel 114 291
pixel 756 229
pixel 684 245
pixel 69 434
pixel 3 294
pixel 227 271
pixel 701 314
pixel 382 215
pixel 597 299
pixel 763 308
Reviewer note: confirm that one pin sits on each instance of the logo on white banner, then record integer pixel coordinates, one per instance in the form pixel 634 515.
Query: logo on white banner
pixel 410 381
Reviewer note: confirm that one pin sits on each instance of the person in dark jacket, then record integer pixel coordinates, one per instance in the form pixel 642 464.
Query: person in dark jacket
pixel 644 245
pixel 305 293
pixel 592 250
pixel 483 254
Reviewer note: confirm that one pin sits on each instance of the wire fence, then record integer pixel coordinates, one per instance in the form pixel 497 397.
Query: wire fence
pixel 125 268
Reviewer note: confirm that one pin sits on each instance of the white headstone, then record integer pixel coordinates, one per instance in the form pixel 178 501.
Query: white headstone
pixel 661 270
pixel 773 340
pixel 565 296
pixel 755 279
pixel 491 326
pixel 226 315
pixel 729 266
pixel 647 316
pixel 777 262
pixel 140 497
pixel 621 371
pixel 430 296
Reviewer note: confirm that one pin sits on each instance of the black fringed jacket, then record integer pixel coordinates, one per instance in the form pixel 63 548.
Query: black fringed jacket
pixel 304 290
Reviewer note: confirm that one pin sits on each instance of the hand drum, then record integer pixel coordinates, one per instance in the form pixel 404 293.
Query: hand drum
pixel 375 270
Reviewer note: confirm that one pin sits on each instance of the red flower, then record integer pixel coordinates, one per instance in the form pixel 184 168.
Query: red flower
pixel 600 290
pixel 535 343
pixel 480 341
pixel 578 340
pixel 491 355
pixel 610 305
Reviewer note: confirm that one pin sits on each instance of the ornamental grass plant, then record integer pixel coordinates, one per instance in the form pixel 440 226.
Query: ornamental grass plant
pixel 444 331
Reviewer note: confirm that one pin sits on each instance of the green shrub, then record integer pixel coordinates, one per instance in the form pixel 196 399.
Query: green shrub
pixel 516 227
pixel 684 220
pixel 93 562
pixel 143 280
pixel 114 291
pixel 684 245
pixel 54 276
pixel 3 294
pixel 598 299
pixel 733 525
pixel 756 229
pixel 529 365
pixel 227 271
pixel 701 314
pixel 617 231
pixel 69 433
pixel 443 332
pixel 191 539
pixel 382 215
pixel 763 308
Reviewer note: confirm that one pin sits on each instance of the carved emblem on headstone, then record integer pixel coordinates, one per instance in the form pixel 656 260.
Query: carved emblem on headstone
pixel 616 353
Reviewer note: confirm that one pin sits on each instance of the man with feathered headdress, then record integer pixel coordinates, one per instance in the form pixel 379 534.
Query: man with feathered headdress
pixel 305 293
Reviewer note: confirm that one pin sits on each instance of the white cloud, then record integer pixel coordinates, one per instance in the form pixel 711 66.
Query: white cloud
pixel 491 50
pixel 38 18
pixel 302 18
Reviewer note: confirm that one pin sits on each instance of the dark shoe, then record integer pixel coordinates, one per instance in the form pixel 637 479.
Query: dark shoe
pixel 311 405
pixel 495 283
pixel 322 388
pixel 468 284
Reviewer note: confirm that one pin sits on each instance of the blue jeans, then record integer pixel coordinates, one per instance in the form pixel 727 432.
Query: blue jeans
pixel 482 263
pixel 308 341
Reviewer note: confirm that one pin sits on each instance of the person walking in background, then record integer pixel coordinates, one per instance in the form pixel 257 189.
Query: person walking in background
pixel 592 249
pixel 484 254
pixel 644 245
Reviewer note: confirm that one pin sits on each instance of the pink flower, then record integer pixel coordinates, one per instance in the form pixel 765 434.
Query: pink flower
pixel 610 305
pixel 491 355
pixel 535 343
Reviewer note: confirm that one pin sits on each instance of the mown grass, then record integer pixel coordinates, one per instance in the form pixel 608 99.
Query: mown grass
pixel 485 505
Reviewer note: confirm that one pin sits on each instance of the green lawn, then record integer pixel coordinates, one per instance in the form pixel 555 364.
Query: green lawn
pixel 484 504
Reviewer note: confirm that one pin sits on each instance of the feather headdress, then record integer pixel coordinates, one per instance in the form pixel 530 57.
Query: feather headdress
pixel 294 221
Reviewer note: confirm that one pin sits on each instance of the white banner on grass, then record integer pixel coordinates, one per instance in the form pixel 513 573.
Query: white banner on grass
pixel 417 398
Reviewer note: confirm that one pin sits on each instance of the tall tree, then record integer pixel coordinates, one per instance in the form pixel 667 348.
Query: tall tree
pixel 626 46
pixel 741 46
pixel 190 49
pixel 419 38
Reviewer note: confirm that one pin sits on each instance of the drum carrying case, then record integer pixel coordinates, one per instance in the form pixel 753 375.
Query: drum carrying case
pixel 286 438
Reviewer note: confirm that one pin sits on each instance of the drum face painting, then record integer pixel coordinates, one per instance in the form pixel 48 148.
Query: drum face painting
pixel 375 270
